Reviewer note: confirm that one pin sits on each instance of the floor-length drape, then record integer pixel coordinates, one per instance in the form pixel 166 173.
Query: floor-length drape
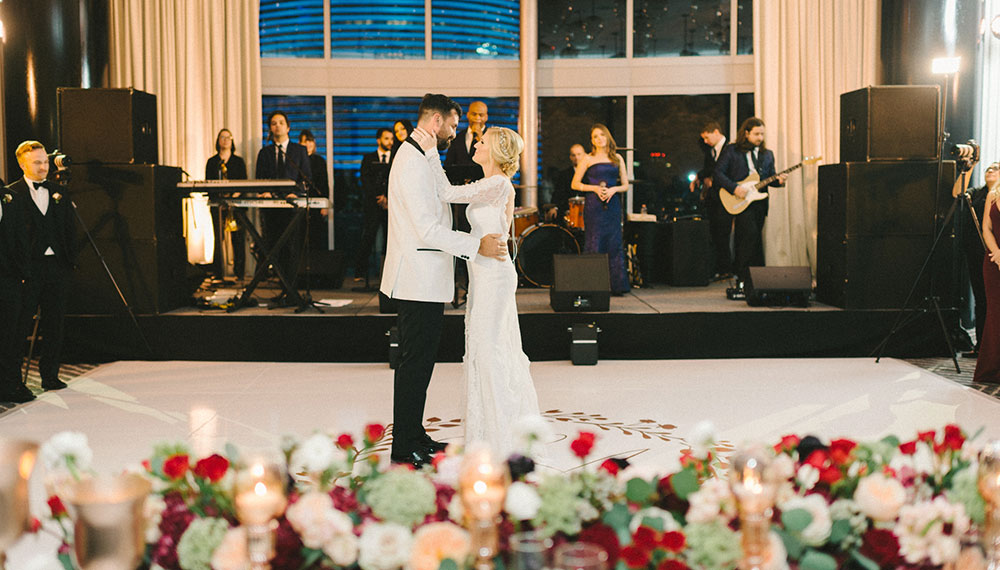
pixel 806 55
pixel 989 122
pixel 201 58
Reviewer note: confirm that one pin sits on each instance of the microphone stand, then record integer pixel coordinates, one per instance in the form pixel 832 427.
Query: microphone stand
pixel 307 300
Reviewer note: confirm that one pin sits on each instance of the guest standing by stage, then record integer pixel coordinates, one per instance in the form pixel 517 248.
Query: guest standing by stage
pixel 13 270
pixel 318 234
pixel 375 191
pixel 603 177
pixel 988 364
pixel 225 164
pixel 402 129
pixel 972 247
pixel 720 222
pixel 50 231
pixel 563 188
pixel 735 164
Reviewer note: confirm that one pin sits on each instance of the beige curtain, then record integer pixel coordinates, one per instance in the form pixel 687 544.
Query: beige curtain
pixel 806 55
pixel 989 122
pixel 201 58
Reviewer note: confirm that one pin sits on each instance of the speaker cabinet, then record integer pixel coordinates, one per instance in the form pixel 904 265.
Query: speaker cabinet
pixel 143 199
pixel 108 125
pixel 580 283
pixel 779 286
pixel 891 122
pixel 684 253
pixel 871 272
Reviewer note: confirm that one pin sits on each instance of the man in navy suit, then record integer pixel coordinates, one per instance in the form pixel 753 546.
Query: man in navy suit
pixel 735 164
pixel 49 235
pixel 283 159
pixel 460 168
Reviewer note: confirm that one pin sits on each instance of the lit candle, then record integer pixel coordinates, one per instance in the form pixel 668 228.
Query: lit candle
pixel 260 504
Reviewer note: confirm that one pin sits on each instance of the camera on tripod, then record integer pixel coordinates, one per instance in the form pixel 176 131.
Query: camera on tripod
pixel 965 155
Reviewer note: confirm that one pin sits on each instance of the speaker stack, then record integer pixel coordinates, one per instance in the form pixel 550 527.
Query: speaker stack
pixel 127 202
pixel 877 208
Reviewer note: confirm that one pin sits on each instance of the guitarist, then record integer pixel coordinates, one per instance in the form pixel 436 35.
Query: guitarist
pixel 737 162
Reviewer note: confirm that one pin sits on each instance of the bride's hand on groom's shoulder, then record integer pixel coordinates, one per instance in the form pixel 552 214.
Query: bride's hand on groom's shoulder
pixel 490 245
pixel 423 138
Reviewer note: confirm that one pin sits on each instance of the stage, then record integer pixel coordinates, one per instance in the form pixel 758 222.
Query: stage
pixel 660 322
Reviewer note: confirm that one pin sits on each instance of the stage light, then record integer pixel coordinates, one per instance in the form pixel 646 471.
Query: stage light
pixel 692 177
pixel 995 26
pixel 945 65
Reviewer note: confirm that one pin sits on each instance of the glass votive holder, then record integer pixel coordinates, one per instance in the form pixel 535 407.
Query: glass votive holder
pixel 581 556
pixel 530 550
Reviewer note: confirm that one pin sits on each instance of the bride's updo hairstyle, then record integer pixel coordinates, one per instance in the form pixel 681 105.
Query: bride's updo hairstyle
pixel 505 149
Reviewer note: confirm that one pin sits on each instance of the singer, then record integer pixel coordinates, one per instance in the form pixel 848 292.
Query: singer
pixel 603 177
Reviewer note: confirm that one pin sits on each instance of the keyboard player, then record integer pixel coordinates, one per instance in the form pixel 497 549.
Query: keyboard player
pixel 283 158
pixel 225 164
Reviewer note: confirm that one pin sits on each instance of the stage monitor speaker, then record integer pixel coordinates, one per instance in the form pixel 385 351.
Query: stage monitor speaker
pixel 580 283
pixel 108 125
pixel 685 253
pixel 138 200
pixel 889 122
pixel 583 347
pixel 326 269
pixel 779 286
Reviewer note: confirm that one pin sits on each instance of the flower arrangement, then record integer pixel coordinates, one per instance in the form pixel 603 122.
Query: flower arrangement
pixel 839 504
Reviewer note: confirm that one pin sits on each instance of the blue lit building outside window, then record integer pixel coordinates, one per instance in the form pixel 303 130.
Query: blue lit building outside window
pixel 291 28
pixel 377 29
pixel 303 113
pixel 486 29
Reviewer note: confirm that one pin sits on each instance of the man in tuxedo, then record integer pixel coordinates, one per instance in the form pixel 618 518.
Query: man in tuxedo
pixel 736 162
pixel 460 168
pixel 419 273
pixel 48 221
pixel 720 221
pixel 283 159
pixel 375 188
pixel 13 271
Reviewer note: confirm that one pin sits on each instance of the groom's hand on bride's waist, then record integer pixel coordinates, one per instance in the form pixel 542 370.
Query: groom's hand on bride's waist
pixel 492 246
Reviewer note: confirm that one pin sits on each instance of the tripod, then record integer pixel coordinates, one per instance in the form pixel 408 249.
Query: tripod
pixel 307 300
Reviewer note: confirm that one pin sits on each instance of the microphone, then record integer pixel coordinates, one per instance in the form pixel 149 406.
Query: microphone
pixel 61 161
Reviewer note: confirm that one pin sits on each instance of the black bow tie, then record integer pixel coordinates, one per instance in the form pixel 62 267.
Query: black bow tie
pixel 42 184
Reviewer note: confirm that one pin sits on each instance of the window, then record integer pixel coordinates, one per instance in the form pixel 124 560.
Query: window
pixel 744 27
pixel 291 28
pixel 377 29
pixel 581 29
pixel 681 28
pixel 303 113
pixel 488 29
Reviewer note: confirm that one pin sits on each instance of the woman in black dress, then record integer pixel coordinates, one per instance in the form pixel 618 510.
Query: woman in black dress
pixel 226 165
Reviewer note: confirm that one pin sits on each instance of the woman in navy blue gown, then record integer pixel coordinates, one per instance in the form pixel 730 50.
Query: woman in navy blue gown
pixel 603 178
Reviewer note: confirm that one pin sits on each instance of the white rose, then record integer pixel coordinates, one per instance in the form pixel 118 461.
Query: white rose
pixel 530 432
pixel 702 439
pixel 315 454
pixel 384 546
pixel 880 497
pixel 522 501
pixel 783 467
pixel 64 446
pixel 342 549
pixel 712 502
pixel 666 519
pixel 231 554
pixel 807 477
pixel 818 531
pixel 316 521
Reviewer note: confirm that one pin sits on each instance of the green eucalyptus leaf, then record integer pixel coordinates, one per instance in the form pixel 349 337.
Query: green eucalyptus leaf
pixel 796 520
pixel 685 482
pixel 864 561
pixel 839 531
pixel 448 564
pixel 639 490
pixel 815 560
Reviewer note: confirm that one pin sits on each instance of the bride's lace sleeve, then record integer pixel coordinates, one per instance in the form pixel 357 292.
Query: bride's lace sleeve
pixel 492 190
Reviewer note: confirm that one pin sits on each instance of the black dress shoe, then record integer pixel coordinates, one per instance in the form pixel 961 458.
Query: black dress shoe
pixel 433 446
pixel 18 395
pixel 417 457
pixel 53 384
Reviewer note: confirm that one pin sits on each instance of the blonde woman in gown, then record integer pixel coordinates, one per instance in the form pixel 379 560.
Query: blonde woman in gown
pixel 498 386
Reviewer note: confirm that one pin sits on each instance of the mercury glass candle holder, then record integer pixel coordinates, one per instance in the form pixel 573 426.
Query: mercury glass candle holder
pixel 17 461
pixel 108 522
pixel 483 482
pixel 989 488
pixel 259 499
pixel 753 485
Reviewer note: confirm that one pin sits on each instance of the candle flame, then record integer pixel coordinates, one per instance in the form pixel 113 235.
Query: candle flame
pixel 257 470
pixel 260 488
pixel 479 487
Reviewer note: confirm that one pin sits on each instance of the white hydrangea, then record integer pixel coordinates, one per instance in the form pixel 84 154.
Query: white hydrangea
pixel 65 447
pixel 384 546
pixel 316 454
pixel 931 531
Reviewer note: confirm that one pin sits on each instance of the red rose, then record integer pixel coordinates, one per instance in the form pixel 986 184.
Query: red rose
pixel 926 436
pixel 56 506
pixel 673 541
pixel 604 536
pixel 635 557
pixel 147 466
pixel 672 564
pixel 583 444
pixel 908 448
pixel 840 450
pixel 36 525
pixel 645 538
pixel 610 466
pixel 830 475
pixel 345 441
pixel 374 432
pixel 788 443
pixel 438 458
pixel 213 467
pixel 817 458
pixel 176 466
pixel 953 437
pixel 882 547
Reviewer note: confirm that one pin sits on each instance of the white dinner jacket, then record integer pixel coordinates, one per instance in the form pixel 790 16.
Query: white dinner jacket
pixel 421 247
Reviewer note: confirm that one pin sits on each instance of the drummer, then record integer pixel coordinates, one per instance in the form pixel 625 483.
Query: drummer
pixel 562 191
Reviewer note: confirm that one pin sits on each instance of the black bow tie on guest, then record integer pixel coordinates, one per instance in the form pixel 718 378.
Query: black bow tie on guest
pixel 42 184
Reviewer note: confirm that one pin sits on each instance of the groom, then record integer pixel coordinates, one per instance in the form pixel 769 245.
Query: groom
pixel 419 273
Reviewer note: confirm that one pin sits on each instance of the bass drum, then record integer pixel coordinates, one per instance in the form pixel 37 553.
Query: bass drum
pixel 535 249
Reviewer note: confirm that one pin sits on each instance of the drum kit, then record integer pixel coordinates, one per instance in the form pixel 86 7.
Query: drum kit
pixel 538 241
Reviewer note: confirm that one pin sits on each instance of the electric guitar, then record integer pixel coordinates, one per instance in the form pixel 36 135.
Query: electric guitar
pixel 753 184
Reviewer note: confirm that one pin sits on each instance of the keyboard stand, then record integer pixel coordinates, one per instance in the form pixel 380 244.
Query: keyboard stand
pixel 267 258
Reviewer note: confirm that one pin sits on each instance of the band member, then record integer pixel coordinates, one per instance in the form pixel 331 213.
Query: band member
pixel 563 187
pixel 225 164
pixel 719 220
pixel 737 161
pixel 461 169
pixel 972 247
pixel 13 271
pixel 375 188
pixel 50 232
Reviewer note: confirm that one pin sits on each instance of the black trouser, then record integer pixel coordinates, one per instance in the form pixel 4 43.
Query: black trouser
pixel 11 342
pixel 419 325
pixel 720 223
pixel 461 224
pixel 749 241
pixel 974 260
pixel 274 222
pixel 373 221
pixel 47 289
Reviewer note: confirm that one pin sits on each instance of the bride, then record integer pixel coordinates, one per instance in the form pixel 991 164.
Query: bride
pixel 498 385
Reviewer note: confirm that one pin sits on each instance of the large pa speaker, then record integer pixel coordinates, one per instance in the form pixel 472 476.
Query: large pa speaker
pixel 684 250
pixel 108 125
pixel 143 198
pixel 891 122
pixel 779 286
pixel 580 283
pixel 871 272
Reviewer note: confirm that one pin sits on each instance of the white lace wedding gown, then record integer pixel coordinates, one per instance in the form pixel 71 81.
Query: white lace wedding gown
pixel 498 385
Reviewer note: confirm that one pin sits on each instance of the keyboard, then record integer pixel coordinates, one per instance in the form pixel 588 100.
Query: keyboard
pixel 272 202
pixel 226 186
